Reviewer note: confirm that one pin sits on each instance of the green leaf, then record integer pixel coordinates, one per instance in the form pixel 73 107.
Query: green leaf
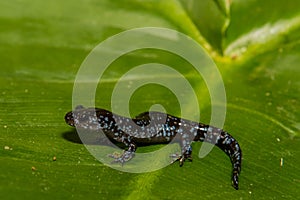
pixel 43 44
pixel 255 28
pixel 211 18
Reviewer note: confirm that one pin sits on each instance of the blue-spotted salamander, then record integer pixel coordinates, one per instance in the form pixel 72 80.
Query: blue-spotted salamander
pixel 156 128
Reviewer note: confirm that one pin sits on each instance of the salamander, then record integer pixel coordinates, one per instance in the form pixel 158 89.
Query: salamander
pixel 156 128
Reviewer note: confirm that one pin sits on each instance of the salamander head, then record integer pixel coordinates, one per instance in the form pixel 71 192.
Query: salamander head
pixel 82 118
pixel 69 117
pixel 88 124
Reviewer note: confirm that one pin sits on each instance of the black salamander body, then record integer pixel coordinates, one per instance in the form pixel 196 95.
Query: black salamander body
pixel 156 128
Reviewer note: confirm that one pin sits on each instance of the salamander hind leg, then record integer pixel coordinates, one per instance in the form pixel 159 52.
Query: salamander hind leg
pixel 185 155
pixel 186 148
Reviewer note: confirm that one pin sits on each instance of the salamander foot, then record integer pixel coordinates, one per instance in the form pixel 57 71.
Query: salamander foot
pixel 122 158
pixel 186 155
pixel 181 158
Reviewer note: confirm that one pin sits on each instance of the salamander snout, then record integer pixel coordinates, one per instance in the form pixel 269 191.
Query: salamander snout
pixel 69 119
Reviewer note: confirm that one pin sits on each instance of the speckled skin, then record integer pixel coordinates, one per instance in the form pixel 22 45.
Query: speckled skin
pixel 156 128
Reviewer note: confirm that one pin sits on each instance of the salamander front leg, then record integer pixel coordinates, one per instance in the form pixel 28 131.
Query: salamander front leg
pixel 125 156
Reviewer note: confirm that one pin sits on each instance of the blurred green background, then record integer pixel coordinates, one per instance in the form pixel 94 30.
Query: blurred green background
pixel 255 45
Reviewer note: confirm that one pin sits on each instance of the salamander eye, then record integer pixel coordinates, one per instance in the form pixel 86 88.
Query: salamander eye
pixel 79 107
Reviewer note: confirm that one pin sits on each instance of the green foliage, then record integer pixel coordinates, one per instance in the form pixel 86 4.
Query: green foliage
pixel 254 43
